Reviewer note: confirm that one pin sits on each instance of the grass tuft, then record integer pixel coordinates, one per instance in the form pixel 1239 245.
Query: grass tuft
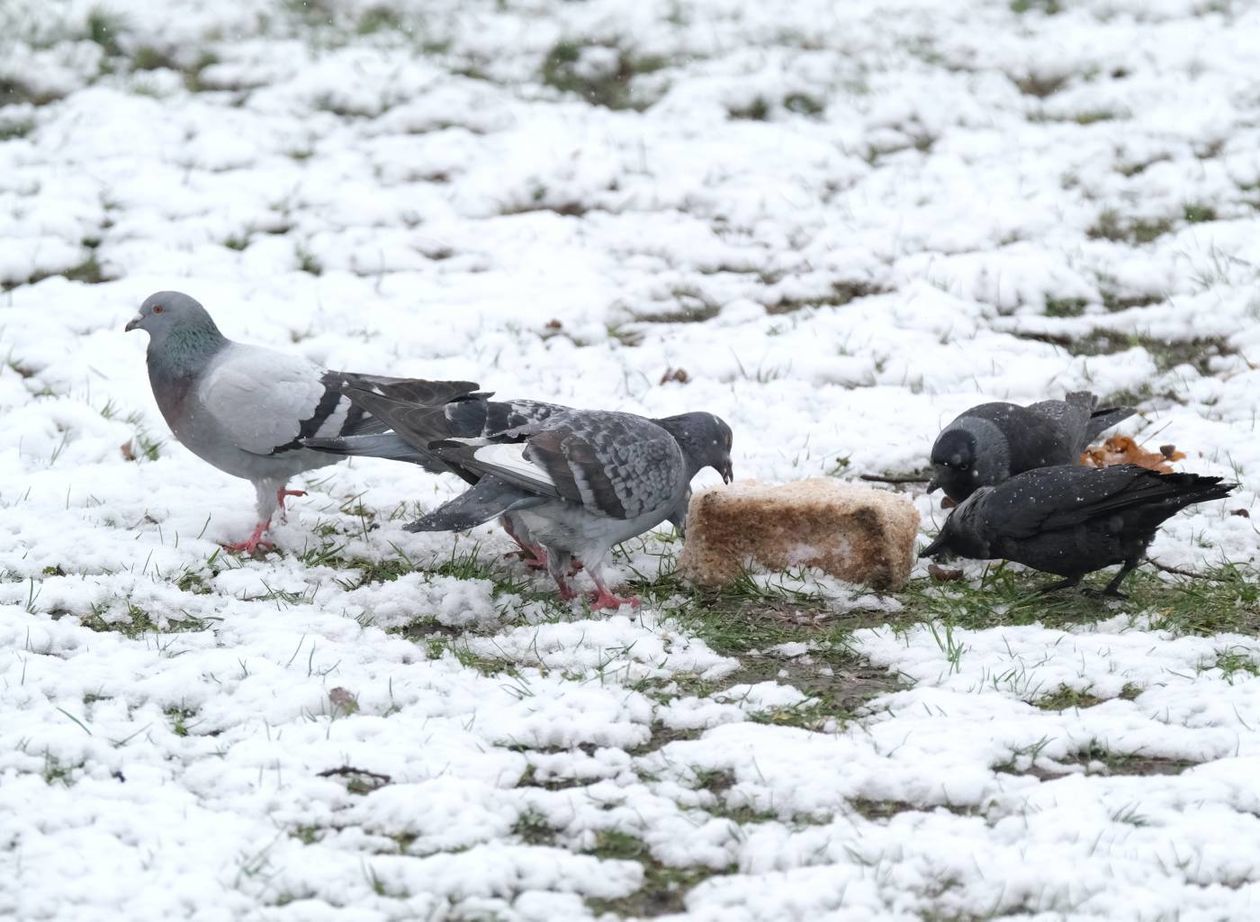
pixel 1066 698
pixel 146 57
pixel 308 261
pixel 1047 7
pixel 1111 225
pixel 136 622
pixel 104 28
pixel 89 272
pixel 1235 660
pixel 601 83
pixel 1198 214
pixel 532 828
pixel 13 128
pixel 1224 599
pixel 756 110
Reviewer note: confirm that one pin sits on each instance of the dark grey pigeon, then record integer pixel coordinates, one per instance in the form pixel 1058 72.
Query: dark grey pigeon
pixel 991 442
pixel 245 409
pixel 1072 520
pixel 418 421
pixel 585 480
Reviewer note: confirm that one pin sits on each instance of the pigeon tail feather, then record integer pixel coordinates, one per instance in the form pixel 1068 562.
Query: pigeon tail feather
pixel 487 500
pixel 387 445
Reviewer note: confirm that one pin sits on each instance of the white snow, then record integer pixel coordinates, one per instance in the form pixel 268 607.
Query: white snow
pixel 845 222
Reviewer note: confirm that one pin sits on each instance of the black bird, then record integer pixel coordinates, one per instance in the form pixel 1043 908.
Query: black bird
pixel 1072 520
pixel 994 441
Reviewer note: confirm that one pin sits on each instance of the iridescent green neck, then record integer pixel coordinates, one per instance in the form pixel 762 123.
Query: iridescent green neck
pixel 185 350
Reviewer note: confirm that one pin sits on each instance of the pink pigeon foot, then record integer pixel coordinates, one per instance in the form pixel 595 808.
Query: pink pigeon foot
pixel 280 495
pixel 253 542
pixel 603 599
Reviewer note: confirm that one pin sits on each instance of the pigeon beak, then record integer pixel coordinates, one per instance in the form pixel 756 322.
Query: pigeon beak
pixel 133 323
pixel 728 474
pixel 933 486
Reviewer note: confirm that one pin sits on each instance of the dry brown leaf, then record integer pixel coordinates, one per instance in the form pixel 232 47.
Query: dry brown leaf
pixel 128 449
pixel 1121 449
pixel 941 574
pixel 344 700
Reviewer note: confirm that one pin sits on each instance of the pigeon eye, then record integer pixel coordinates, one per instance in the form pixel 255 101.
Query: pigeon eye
pixel 158 308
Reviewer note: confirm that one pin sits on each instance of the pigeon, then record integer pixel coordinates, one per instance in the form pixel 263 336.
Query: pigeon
pixel 585 480
pixel 1071 520
pixel 245 409
pixel 419 421
pixel 575 482
pixel 991 442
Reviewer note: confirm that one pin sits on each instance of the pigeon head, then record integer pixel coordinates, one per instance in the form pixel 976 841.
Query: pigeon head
pixel 705 441
pixel 168 312
pixel 970 453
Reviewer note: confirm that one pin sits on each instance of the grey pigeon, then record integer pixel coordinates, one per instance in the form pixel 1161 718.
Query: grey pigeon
pixel 575 482
pixel 419 421
pixel 585 480
pixel 245 409
pixel 1072 520
pixel 993 441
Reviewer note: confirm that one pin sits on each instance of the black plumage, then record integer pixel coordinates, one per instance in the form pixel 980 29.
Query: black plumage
pixel 1071 520
pixel 993 441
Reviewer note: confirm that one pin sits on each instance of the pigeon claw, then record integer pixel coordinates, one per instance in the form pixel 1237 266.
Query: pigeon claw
pixel 603 599
pixel 280 495
pixel 283 492
pixel 253 543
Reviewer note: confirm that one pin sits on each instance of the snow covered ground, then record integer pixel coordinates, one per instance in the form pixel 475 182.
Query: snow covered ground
pixel 845 222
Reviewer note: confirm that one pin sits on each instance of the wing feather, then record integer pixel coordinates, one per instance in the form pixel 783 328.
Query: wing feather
pixel 261 397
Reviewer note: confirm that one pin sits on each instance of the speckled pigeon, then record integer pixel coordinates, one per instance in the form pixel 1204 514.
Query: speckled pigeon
pixel 993 441
pixel 585 480
pixel 1072 520
pixel 245 408
pixel 576 482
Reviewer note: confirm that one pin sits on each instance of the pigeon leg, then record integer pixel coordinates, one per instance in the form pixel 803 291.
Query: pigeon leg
pixel 1055 587
pixel 558 563
pixel 604 598
pixel 253 542
pixel 281 493
pixel 534 556
pixel 1113 587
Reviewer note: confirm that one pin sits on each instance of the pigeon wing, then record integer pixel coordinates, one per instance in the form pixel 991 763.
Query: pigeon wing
pixel 615 464
pixel 264 400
